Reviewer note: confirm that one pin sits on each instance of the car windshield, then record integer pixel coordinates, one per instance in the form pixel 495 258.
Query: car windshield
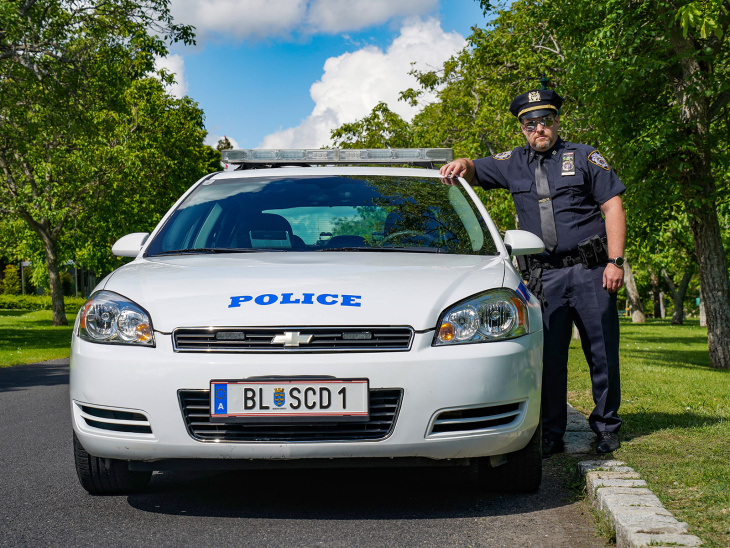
pixel 325 213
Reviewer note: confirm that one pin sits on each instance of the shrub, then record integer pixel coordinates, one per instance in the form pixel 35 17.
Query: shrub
pixel 39 302
pixel 11 281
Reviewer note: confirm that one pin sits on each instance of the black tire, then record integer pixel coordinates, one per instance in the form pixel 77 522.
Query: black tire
pixel 522 473
pixel 106 476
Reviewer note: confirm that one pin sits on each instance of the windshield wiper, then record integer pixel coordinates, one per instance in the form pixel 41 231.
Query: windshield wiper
pixel 399 249
pixel 198 250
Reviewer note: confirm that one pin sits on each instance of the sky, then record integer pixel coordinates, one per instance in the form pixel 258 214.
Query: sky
pixel 284 73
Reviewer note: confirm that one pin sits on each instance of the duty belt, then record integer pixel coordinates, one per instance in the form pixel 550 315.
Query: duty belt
pixel 563 260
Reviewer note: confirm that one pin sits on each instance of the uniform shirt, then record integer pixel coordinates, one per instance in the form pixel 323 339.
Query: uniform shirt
pixel 580 181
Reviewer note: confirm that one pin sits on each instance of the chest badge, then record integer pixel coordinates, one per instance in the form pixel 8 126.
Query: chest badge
pixel 568 167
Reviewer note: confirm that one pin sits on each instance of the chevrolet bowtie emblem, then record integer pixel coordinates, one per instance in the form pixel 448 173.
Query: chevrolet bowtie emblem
pixel 291 338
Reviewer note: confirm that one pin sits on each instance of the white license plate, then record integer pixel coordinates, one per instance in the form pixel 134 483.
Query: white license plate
pixel 290 399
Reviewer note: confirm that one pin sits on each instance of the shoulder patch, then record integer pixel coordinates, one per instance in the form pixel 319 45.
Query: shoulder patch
pixel 502 155
pixel 596 158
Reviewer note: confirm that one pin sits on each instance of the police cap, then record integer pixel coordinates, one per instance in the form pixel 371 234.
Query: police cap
pixel 537 102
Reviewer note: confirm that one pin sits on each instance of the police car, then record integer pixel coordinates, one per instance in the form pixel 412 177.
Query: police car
pixel 312 306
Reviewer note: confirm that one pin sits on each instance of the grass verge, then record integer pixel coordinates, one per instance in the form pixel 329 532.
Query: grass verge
pixel 676 412
pixel 27 337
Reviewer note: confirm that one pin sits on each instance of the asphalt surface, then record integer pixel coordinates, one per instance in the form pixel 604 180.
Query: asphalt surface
pixel 42 503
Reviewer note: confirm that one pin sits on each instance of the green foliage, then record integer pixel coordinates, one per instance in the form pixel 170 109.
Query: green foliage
pixel 91 147
pixel 11 280
pixel 383 128
pixel 38 302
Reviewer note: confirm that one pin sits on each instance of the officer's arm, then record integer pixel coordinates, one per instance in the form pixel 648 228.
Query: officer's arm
pixel 462 167
pixel 613 210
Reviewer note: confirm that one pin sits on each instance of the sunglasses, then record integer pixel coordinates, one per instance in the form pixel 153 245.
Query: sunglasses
pixel 531 125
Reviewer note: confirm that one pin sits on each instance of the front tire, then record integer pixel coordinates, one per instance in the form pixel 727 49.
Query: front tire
pixel 522 473
pixel 106 476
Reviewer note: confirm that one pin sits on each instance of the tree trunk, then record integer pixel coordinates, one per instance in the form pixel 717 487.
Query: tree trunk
pixel 678 294
pixel 715 284
pixel 700 193
pixel 636 307
pixel 54 276
pixel 655 297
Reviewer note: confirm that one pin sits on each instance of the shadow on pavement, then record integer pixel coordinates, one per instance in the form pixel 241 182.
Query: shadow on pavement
pixel 23 377
pixel 361 494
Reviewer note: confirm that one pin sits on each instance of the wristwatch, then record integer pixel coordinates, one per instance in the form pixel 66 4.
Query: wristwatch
pixel 618 261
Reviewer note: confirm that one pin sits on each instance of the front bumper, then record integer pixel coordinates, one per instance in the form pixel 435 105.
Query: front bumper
pixel 140 386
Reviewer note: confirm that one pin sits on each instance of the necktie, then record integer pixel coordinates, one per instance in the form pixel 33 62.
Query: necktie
pixel 547 220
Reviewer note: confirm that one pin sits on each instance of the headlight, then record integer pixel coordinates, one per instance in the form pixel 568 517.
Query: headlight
pixel 113 319
pixel 490 316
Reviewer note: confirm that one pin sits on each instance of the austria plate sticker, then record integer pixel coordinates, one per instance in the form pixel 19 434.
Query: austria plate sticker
pixel 220 400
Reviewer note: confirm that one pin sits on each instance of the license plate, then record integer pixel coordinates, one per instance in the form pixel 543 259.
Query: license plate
pixel 290 400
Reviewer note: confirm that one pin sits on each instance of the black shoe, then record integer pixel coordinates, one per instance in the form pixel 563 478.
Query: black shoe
pixel 607 442
pixel 551 447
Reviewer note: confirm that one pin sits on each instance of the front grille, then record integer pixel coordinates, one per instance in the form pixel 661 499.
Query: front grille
pixel 115 420
pixel 476 418
pixel 384 406
pixel 292 339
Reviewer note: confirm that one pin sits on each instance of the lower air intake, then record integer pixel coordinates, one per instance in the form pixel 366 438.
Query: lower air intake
pixel 115 420
pixel 476 418
pixel 384 406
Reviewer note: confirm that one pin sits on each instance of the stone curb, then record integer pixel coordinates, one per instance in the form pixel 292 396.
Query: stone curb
pixel 618 492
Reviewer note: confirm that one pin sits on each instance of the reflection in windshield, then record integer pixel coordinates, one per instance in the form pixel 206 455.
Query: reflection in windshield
pixel 310 213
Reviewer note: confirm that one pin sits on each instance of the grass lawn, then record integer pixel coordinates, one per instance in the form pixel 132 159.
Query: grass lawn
pixel 27 337
pixel 676 412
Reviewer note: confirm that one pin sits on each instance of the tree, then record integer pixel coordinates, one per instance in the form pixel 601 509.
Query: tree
pixel 65 69
pixel 666 64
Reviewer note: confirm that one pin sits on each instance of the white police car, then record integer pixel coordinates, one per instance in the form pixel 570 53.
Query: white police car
pixel 297 313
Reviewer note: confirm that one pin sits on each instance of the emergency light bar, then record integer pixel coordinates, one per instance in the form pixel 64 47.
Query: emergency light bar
pixel 338 156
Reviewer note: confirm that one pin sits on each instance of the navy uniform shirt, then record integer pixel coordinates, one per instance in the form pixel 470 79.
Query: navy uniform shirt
pixel 580 181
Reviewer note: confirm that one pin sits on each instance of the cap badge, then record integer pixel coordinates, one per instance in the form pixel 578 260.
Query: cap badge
pixel 533 96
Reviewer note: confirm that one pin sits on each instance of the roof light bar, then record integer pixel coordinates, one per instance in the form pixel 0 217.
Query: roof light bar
pixel 338 156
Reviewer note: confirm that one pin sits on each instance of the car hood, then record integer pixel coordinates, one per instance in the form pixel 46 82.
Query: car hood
pixel 303 289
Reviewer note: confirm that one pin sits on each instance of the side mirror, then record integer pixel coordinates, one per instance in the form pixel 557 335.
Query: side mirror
pixel 129 245
pixel 521 242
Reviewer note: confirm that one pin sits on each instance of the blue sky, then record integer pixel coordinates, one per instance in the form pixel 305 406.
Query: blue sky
pixel 283 73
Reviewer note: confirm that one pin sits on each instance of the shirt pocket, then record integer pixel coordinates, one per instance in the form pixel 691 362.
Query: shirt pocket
pixel 573 190
pixel 522 194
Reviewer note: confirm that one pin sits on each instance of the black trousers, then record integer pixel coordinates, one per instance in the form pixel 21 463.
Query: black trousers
pixel 576 294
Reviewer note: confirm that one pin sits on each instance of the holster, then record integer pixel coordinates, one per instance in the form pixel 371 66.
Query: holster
pixel 593 251
pixel 534 284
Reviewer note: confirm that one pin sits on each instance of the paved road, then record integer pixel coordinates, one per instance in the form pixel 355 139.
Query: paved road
pixel 42 504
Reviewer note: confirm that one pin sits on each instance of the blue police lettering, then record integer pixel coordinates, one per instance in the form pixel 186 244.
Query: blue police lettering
pixel 326 299
pixel 266 298
pixel 349 300
pixel 286 298
pixel 236 301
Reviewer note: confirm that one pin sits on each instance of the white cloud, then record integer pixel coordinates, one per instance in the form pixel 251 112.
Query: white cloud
pixel 353 83
pixel 174 64
pixel 212 140
pixel 240 19
pixel 259 19
pixel 334 16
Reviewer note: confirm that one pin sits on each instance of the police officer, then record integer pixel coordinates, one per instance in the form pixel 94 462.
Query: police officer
pixel 567 194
